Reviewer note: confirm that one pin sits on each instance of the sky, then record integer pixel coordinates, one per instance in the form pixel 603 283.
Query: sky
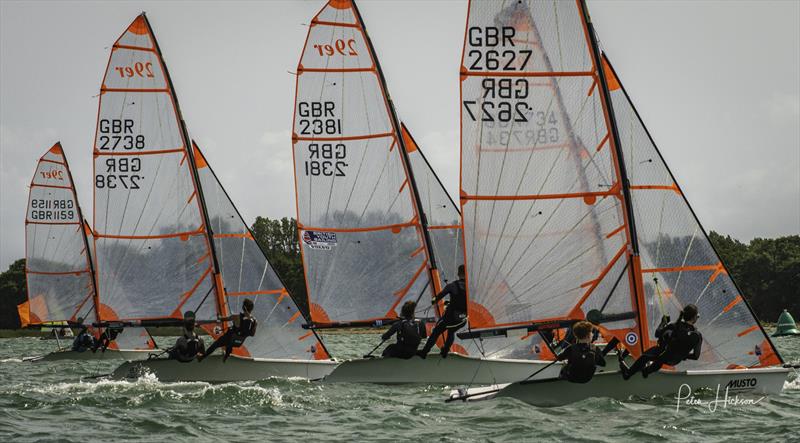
pixel 716 83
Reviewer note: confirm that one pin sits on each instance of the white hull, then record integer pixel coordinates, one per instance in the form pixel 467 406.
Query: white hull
pixel 673 384
pixel 110 354
pixel 455 369
pixel 212 369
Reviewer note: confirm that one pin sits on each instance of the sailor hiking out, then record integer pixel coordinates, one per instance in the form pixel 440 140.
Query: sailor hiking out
pixel 410 333
pixel 677 342
pixel 108 336
pixel 454 318
pixel 582 356
pixel 244 325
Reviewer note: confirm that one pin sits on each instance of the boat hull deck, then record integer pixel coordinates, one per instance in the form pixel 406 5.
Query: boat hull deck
pixel 213 370
pixel 674 384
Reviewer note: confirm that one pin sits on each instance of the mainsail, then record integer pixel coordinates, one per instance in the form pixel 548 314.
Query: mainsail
pixel 154 257
pixel 58 265
pixel 543 213
pixel 247 273
pixel 567 205
pixel 364 240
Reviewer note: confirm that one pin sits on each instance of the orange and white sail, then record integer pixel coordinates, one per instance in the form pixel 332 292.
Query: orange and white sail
pixel 678 262
pixel 154 257
pixel 365 250
pixel 567 205
pixel 58 265
pixel 247 273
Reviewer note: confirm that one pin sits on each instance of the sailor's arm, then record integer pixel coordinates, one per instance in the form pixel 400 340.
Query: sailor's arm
pixel 447 290
pixel 694 354
pixel 393 330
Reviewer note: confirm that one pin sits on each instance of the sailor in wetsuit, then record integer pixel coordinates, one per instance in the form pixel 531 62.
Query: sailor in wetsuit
pixel 189 345
pixel 84 340
pixel 676 342
pixel 410 333
pixel 582 357
pixel 244 325
pixel 454 317
pixel 109 335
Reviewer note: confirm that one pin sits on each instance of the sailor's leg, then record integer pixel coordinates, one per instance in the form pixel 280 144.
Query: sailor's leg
pixel 451 336
pixel 654 366
pixel 646 357
pixel 389 352
pixel 440 327
pixel 223 340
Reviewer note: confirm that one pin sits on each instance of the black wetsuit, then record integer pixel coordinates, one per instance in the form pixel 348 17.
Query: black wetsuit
pixel 83 342
pixel 677 342
pixel 109 335
pixel 409 335
pixel 453 319
pixel 187 347
pixel 582 361
pixel 235 336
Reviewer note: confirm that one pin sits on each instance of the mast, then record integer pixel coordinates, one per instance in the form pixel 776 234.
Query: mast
pixel 95 295
pixel 217 280
pixel 433 269
pixel 636 286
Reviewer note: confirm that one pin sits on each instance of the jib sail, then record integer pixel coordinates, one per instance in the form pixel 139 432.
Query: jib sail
pixel 247 273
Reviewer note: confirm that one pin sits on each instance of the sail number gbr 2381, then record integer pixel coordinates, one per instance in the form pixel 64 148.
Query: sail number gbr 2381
pixel 324 158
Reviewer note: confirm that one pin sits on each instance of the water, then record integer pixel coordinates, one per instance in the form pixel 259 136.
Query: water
pixel 49 402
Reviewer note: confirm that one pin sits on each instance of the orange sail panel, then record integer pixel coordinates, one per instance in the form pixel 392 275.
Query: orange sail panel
pixel 363 248
pixel 541 196
pixel 247 273
pixel 57 266
pixel 151 247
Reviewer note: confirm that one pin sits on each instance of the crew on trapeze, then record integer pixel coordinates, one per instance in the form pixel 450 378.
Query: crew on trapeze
pixel 189 345
pixel 410 333
pixel 581 355
pixel 244 325
pixel 454 317
pixel 677 342
pixel 84 341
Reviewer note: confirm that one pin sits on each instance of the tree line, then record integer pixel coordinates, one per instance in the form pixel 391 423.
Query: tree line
pixel 767 271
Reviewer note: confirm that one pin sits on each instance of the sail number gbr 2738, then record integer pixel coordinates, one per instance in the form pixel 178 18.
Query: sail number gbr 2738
pixel 323 158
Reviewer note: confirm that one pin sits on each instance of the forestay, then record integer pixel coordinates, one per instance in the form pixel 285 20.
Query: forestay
pixel 58 264
pixel 246 273
pixel 152 250
pixel 363 248
pixel 543 212
pixel 679 264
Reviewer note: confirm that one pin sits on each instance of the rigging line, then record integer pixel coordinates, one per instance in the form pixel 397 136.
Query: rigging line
pixel 210 290
pixel 685 259
pixel 614 288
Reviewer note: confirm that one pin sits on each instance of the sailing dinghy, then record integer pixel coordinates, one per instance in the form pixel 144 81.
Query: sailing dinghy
pixel 169 240
pixel 58 265
pixel 376 226
pixel 568 206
